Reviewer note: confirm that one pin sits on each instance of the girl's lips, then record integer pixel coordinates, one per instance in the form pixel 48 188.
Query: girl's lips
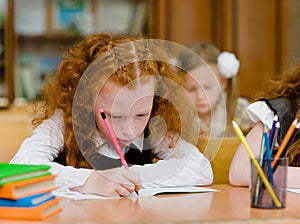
pixel 201 105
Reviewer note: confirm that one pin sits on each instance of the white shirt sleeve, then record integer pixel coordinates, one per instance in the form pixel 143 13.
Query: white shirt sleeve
pixel 44 145
pixel 182 165
pixel 260 111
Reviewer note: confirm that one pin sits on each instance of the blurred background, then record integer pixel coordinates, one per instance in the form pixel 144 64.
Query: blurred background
pixel 34 34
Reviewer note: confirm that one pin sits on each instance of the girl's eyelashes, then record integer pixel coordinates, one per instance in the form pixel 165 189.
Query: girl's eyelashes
pixel 116 116
pixel 191 88
pixel 194 88
pixel 143 115
pixel 207 87
pixel 113 116
pixel 120 116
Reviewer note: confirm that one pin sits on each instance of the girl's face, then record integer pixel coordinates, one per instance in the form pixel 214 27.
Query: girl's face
pixel 204 87
pixel 128 110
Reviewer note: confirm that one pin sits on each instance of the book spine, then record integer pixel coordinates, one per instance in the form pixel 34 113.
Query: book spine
pixel 40 212
pixel 30 201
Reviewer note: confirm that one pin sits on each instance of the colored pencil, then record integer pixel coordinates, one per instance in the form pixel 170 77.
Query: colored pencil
pixel 256 164
pixel 295 132
pixel 268 155
pixel 273 128
pixel 258 181
pixel 113 138
pixel 277 127
pixel 285 141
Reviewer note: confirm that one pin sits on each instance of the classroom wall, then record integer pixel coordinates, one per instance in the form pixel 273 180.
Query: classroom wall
pixel 263 33
pixel 293 21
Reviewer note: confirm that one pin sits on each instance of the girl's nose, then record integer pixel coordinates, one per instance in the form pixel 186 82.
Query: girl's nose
pixel 200 93
pixel 127 132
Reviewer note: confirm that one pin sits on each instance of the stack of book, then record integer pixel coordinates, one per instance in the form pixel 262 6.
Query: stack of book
pixel 26 192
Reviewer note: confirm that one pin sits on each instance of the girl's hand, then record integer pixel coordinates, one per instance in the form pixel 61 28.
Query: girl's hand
pixel 112 182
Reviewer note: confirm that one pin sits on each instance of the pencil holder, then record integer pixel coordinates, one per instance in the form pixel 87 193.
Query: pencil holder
pixel 262 197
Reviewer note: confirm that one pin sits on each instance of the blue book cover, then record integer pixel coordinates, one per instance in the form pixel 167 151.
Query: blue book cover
pixel 29 201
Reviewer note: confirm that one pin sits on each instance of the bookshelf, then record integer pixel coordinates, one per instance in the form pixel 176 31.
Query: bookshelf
pixel 6 54
pixel 2 63
pixel 263 35
pixel 45 33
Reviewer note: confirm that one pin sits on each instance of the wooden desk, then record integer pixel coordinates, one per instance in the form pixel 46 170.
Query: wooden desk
pixel 15 126
pixel 231 205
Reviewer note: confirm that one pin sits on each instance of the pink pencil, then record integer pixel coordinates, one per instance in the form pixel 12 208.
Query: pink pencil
pixel 113 138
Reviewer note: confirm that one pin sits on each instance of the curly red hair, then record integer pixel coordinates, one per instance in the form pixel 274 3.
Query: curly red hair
pixel 113 51
pixel 286 85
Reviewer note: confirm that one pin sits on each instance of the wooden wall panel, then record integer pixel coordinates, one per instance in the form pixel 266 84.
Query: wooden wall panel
pixel 188 20
pixel 224 22
pixel 9 50
pixel 293 31
pixel 257 43
pixel 255 30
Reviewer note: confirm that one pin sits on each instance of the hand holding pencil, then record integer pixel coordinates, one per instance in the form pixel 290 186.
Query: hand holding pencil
pixel 115 142
pixel 112 182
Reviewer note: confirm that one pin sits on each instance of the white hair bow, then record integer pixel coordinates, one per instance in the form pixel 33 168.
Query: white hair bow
pixel 228 64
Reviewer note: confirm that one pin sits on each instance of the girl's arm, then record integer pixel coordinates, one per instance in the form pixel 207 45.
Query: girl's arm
pixel 293 180
pixel 182 165
pixel 44 145
pixel 239 171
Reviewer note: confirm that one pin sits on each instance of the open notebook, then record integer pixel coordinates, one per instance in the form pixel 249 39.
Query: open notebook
pixel 294 190
pixel 147 192
pixel 144 192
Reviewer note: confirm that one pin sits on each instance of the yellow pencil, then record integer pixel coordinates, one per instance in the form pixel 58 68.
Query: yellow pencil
pixel 256 164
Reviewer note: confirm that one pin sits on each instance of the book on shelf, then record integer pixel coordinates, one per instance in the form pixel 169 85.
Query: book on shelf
pixel 29 201
pixel 15 172
pixel 139 18
pixel 113 16
pixel 23 188
pixel 40 212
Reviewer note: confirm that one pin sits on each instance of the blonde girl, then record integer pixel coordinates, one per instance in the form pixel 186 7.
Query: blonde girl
pixel 212 82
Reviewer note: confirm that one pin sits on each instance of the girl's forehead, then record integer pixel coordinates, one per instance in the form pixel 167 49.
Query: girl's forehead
pixel 135 83
pixel 205 70
pixel 134 89
pixel 208 73
pixel 117 98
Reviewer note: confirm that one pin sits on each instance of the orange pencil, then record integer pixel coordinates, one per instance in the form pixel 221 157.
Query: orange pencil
pixel 285 141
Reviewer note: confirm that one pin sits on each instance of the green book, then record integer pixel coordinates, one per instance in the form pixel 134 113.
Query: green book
pixel 16 172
